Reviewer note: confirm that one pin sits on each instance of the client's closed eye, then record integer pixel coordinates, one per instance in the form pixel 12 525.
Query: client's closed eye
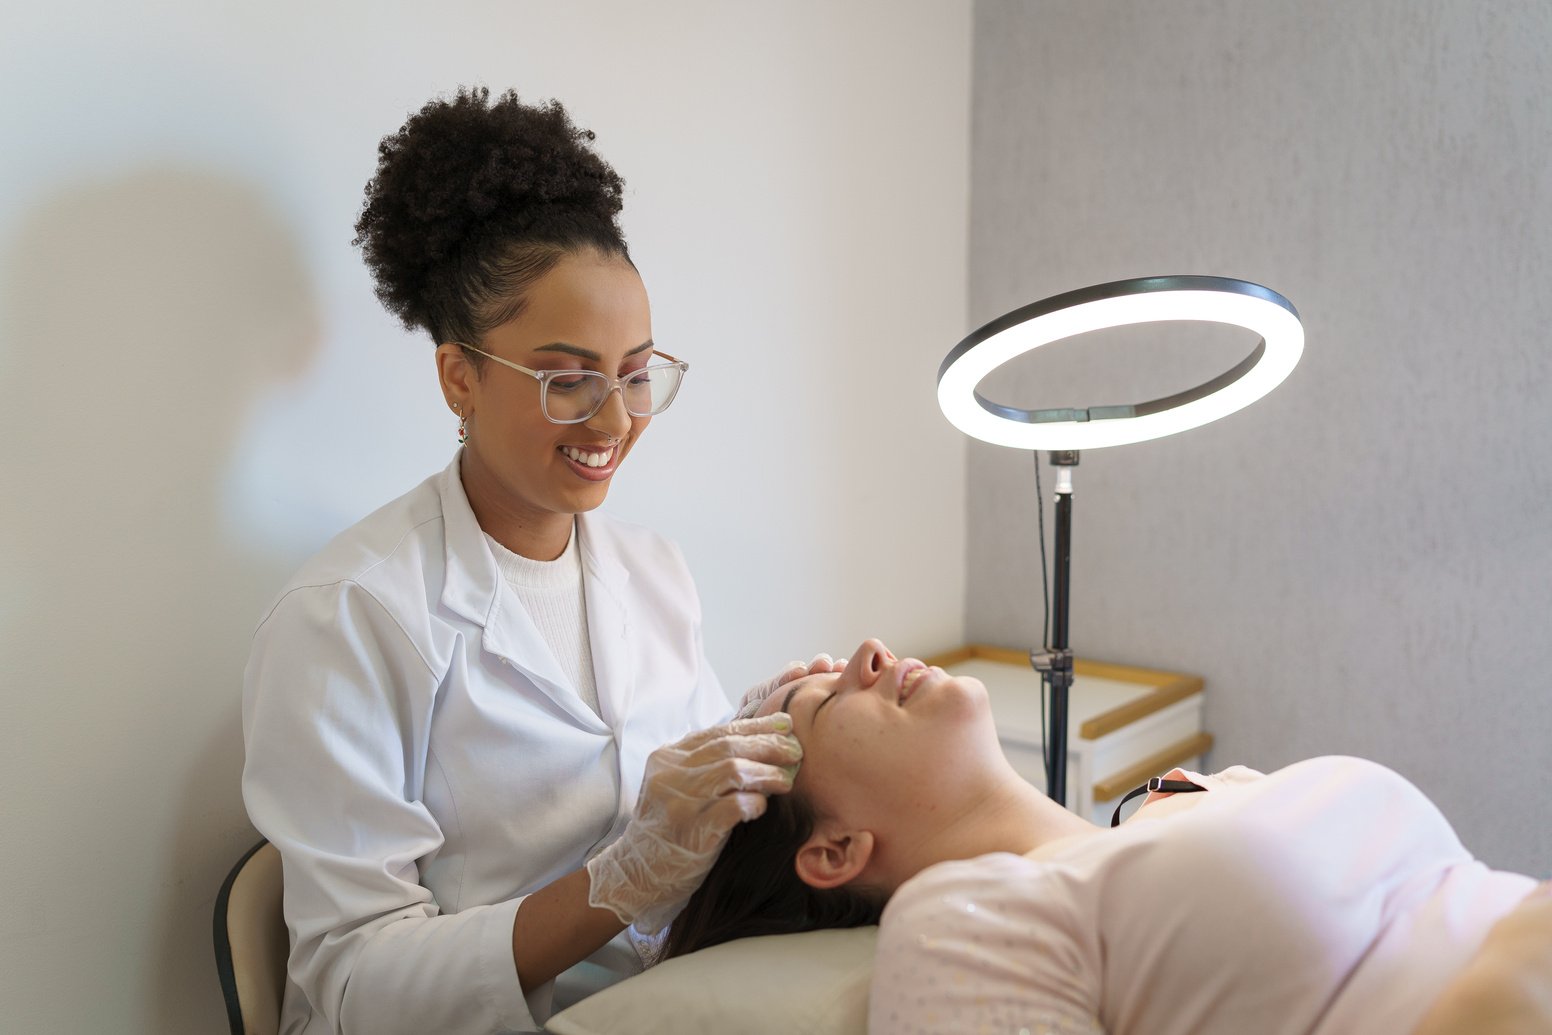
pixel 828 698
pixel 810 713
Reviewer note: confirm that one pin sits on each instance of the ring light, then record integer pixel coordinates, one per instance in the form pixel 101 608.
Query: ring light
pixel 1064 432
pixel 1119 304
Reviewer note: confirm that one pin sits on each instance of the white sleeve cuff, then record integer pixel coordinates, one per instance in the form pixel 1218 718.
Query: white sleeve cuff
pixel 515 1008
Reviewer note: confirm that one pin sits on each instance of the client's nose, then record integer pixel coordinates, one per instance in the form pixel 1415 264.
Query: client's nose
pixel 869 660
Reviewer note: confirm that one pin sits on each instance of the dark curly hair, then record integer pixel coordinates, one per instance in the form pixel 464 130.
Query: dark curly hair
pixel 473 201
pixel 753 887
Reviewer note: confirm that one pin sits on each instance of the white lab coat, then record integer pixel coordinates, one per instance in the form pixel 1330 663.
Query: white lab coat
pixel 422 762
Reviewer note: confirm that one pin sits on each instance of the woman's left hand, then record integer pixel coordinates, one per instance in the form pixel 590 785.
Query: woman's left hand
pixel 693 793
pixel 756 695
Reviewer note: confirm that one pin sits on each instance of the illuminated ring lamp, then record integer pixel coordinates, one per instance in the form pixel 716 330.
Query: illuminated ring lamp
pixel 1066 430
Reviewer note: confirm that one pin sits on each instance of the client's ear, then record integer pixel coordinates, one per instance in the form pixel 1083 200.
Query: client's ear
pixel 829 859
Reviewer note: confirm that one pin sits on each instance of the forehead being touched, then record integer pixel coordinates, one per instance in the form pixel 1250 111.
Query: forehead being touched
pixel 787 697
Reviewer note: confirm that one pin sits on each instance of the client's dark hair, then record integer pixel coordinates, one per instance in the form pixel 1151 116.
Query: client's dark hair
pixel 754 889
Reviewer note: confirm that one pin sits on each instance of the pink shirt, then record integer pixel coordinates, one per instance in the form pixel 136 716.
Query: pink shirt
pixel 1328 897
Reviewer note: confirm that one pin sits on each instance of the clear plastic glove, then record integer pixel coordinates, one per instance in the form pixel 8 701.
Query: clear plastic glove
pixel 756 695
pixel 692 794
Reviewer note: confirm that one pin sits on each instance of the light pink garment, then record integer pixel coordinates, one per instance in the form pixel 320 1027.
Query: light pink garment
pixel 1328 897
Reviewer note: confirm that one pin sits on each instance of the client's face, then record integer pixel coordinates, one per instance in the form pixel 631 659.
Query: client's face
pixel 888 743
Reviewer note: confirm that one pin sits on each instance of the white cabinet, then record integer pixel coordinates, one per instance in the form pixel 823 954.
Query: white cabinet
pixel 1125 724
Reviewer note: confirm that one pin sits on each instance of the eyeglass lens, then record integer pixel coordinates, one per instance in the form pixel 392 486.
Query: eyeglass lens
pixel 577 395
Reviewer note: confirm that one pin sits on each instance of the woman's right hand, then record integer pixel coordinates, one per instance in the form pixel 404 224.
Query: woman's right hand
pixel 693 792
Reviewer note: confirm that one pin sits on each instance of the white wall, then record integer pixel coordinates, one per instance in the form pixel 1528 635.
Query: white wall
pixel 1361 562
pixel 197 387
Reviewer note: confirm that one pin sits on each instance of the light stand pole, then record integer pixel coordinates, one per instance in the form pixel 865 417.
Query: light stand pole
pixel 1055 662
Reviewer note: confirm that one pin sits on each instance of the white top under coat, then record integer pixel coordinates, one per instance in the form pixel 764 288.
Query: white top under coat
pixel 418 755
pixel 553 595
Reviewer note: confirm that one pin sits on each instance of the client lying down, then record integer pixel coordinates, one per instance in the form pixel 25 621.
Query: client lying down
pixel 1330 896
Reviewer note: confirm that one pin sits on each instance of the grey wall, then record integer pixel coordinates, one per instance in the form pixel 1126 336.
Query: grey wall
pixel 1361 562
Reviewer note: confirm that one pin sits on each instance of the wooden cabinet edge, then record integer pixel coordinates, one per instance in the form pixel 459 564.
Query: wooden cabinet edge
pixel 1154 765
pixel 1168 687
pixel 1159 698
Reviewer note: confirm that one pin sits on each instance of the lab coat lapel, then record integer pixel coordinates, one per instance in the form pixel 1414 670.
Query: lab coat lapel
pixel 512 635
pixel 604 578
pixel 473 588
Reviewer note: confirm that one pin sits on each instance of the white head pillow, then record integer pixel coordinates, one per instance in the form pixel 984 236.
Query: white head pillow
pixel 813 982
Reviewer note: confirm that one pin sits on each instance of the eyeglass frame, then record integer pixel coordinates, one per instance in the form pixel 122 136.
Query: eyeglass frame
pixel 615 383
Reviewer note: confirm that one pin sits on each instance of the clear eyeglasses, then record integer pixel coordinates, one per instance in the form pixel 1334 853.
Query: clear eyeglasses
pixel 573 396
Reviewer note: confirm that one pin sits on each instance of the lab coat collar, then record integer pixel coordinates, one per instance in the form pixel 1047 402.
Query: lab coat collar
pixel 473 589
pixel 472 578
pixel 604 576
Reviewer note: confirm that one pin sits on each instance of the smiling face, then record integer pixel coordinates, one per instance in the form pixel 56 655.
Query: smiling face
pixel 891 747
pixel 525 476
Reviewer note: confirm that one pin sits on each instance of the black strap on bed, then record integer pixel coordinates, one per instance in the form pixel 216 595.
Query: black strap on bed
pixel 1157 783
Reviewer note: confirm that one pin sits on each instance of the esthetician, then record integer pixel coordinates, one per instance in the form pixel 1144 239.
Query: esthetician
pixel 456 714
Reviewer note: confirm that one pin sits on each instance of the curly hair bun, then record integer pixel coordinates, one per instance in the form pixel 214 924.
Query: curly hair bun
pixel 463 187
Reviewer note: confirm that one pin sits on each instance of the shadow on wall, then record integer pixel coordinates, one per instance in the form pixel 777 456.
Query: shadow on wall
pixel 142 317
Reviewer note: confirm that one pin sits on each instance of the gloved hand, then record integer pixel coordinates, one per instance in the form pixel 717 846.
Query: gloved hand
pixel 692 794
pixel 756 695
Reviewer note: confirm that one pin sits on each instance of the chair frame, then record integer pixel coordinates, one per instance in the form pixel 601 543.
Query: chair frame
pixel 223 943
